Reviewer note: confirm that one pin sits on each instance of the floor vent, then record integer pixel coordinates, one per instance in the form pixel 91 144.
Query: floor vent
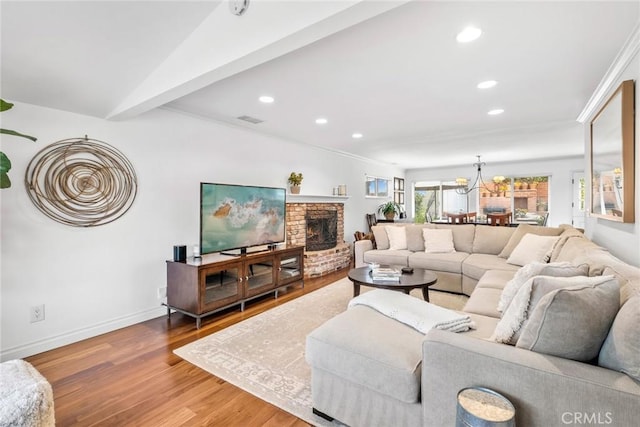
pixel 250 119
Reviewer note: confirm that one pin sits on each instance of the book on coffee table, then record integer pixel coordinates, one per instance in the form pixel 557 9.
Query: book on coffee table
pixel 386 274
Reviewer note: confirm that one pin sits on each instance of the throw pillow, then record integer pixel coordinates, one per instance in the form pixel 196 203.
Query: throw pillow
pixel 621 348
pixel 527 229
pixel 572 323
pixel 532 248
pixel 380 236
pixel 438 240
pixel 397 237
pixel 516 315
pixel 556 269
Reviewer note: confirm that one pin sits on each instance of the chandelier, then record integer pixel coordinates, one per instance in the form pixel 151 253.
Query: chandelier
pixel 462 184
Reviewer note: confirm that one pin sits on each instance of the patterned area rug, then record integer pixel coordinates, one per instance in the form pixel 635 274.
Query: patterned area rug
pixel 264 355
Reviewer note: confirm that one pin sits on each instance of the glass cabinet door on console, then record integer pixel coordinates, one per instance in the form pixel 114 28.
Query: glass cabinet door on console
pixel 220 286
pixel 259 275
pixel 290 267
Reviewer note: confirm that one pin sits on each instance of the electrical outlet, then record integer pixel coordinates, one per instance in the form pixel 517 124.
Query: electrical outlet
pixel 162 293
pixel 37 313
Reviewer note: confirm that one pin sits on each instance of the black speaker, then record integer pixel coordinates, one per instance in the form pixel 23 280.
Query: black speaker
pixel 180 253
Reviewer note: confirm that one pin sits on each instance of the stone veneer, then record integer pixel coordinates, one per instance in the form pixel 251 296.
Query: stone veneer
pixel 317 263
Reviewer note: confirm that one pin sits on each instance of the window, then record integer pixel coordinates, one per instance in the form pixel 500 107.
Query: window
pixel 433 199
pixel 526 196
pixel 376 187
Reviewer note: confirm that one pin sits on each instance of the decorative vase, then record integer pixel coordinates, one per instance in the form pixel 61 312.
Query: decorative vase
pixel 390 215
pixel 295 189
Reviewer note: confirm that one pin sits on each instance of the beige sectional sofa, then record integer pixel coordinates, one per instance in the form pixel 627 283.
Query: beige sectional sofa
pixel 371 370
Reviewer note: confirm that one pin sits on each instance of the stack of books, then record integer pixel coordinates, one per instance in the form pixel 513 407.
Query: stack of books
pixel 386 274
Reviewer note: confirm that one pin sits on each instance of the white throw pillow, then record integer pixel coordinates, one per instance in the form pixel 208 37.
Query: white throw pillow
pixel 397 237
pixel 532 248
pixel 556 269
pixel 438 240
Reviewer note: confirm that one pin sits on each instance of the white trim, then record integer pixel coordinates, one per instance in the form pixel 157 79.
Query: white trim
pixel 611 79
pixel 319 198
pixel 70 337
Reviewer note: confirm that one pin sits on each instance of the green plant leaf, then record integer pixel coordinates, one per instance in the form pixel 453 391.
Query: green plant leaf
pixel 5 163
pixel 5 166
pixel 14 133
pixel 4 105
pixel 5 182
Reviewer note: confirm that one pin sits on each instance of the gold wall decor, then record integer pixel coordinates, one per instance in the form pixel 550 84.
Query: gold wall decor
pixel 81 182
pixel 612 157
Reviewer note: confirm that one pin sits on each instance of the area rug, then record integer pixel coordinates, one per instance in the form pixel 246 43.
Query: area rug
pixel 264 355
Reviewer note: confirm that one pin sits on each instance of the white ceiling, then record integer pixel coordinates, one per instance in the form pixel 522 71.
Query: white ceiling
pixel 390 70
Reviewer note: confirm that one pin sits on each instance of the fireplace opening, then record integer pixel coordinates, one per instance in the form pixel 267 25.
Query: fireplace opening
pixel 322 230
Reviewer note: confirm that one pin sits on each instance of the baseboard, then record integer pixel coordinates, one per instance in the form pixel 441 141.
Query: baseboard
pixel 29 349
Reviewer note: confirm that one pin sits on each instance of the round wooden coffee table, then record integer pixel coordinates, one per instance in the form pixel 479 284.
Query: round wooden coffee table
pixel 420 278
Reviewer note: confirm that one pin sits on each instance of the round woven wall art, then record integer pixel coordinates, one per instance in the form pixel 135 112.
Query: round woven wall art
pixel 81 182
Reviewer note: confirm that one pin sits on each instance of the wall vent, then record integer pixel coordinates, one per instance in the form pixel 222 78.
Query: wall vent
pixel 250 119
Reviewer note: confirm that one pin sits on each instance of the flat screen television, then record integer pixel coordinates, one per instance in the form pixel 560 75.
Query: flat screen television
pixel 240 216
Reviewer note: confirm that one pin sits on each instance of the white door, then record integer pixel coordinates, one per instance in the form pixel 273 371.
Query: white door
pixel 579 200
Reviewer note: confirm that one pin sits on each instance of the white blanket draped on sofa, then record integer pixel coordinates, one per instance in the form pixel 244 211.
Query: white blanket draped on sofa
pixel 416 313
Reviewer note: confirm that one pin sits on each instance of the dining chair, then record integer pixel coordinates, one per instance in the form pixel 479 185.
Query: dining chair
pixel 371 220
pixel 499 218
pixel 471 216
pixel 456 218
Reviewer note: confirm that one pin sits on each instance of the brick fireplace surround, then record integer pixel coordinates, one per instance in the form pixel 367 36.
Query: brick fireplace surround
pixel 317 263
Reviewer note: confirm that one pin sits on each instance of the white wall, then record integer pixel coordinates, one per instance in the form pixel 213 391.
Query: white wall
pixel 560 187
pixel 622 240
pixel 93 280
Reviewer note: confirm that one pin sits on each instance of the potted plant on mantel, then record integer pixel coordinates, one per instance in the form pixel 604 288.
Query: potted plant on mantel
pixel 389 209
pixel 295 179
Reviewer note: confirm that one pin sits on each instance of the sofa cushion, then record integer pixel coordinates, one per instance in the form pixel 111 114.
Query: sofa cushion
pixel 463 235
pixel 397 237
pixel 527 229
pixel 387 257
pixel 449 262
pixel 574 249
pixel 573 322
pixel 438 241
pixel 568 233
pixel 621 348
pixel 556 269
pixel 370 350
pixel 415 239
pixel 496 279
pixel 475 265
pixel 628 278
pixel 491 240
pixel 484 301
pixel 531 248
pixel 380 236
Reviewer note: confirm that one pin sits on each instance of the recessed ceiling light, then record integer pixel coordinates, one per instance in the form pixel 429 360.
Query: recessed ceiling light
pixel 495 112
pixel 266 99
pixel 357 135
pixel 469 34
pixel 321 121
pixel 487 84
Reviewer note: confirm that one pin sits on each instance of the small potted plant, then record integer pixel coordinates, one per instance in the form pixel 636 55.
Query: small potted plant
pixel 389 209
pixel 294 180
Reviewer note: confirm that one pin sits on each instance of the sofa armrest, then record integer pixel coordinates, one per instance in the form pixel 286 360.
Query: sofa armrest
pixel 360 247
pixel 545 390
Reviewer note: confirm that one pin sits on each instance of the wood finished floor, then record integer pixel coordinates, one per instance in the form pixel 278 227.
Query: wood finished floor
pixel 130 377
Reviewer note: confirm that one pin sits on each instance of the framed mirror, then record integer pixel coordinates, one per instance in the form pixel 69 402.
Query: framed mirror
pixel 612 157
